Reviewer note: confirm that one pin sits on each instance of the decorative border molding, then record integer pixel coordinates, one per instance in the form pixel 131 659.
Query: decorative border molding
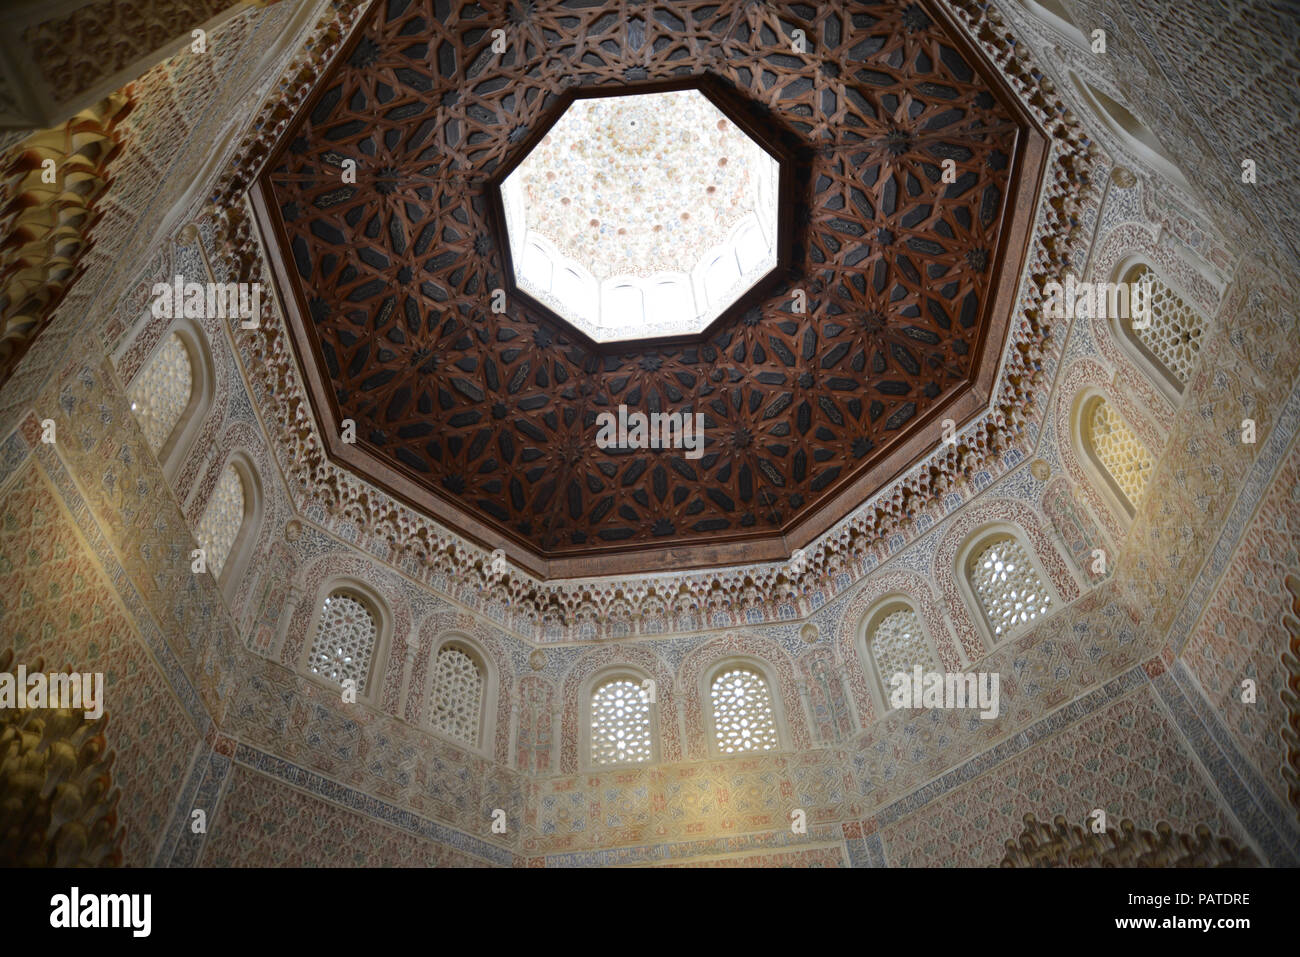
pixel 1272 826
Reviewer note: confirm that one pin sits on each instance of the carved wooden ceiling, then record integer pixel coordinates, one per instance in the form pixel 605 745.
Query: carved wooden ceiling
pixel 488 420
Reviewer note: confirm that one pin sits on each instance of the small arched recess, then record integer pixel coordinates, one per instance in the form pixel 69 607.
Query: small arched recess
pixel 1132 134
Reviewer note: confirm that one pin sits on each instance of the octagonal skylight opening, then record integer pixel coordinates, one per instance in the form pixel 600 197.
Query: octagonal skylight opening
pixel 643 215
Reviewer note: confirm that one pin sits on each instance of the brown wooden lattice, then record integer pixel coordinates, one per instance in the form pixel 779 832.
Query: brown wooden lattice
pixel 488 421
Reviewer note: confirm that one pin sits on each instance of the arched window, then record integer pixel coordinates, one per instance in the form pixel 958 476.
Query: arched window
pixel 622 727
pixel 1130 131
pixel 346 637
pixel 1053 7
pixel 744 718
pixel 897 643
pixel 162 390
pixel 1005 583
pixel 1171 341
pixel 1115 452
pixel 222 519
pixel 172 393
pixel 1054 14
pixel 456 708
pixel 227 530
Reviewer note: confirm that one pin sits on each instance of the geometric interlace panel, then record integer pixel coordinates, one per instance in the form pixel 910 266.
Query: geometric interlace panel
pixel 1118 450
pixel 1009 590
pixel 898 645
pixel 220 524
pixel 1176 329
pixel 161 392
pixel 742 712
pixel 493 412
pixel 620 723
pixel 344 641
pixel 457 695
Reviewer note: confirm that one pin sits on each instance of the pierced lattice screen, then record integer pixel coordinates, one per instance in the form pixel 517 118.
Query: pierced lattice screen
pixel 345 641
pixel 221 520
pixel 898 644
pixel 1118 450
pixel 742 712
pixel 457 695
pixel 1007 586
pixel 1176 330
pixel 162 390
pixel 620 723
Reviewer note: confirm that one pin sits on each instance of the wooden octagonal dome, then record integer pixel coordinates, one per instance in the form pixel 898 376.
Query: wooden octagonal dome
pixel 912 181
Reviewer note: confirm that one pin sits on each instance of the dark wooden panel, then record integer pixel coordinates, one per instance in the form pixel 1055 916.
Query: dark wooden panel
pixel 489 420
